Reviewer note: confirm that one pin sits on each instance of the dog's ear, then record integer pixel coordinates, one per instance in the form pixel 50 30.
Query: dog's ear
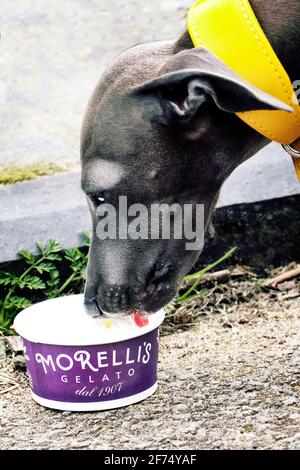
pixel 192 77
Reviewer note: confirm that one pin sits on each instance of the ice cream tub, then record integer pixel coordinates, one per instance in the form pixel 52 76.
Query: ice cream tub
pixel 81 362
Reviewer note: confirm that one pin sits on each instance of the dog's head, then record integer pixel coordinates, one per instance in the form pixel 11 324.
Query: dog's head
pixel 170 139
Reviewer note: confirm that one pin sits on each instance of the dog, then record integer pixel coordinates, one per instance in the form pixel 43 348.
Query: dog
pixel 155 132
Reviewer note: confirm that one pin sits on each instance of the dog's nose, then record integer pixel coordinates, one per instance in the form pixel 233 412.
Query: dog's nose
pixel 115 298
pixel 124 297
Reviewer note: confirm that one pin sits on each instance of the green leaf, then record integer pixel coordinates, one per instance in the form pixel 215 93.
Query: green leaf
pixel 54 274
pixel 86 238
pixel 6 278
pixel 31 282
pixel 72 254
pixel 77 259
pixel 52 246
pixel 29 257
pixel 54 257
pixel 54 280
pixel 45 267
pixel 17 302
pixel 41 247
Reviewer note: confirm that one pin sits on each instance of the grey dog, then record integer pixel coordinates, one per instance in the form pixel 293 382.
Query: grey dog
pixel 155 131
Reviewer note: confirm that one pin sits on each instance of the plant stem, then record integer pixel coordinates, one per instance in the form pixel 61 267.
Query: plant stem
pixel 201 274
pixel 67 282
pixel 196 296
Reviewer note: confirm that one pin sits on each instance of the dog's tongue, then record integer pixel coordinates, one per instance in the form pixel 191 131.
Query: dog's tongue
pixel 139 318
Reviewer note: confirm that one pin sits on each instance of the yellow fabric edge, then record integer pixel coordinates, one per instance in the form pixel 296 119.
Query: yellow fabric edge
pixel 251 56
pixel 297 166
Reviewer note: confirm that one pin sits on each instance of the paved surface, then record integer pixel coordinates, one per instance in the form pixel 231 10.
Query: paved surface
pixel 52 55
pixel 33 211
pixel 268 175
pixel 219 388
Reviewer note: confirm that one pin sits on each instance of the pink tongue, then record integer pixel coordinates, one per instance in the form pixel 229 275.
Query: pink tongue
pixel 139 319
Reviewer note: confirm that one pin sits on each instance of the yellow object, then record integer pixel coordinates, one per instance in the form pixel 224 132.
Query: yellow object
pixel 231 31
pixel 297 166
pixel 108 323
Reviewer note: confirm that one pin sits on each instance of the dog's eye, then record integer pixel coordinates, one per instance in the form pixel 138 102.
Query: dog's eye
pixel 97 198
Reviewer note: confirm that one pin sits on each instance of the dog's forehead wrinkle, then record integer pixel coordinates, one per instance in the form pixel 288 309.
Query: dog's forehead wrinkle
pixel 103 174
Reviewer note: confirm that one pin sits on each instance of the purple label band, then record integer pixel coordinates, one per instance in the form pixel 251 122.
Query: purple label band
pixel 86 374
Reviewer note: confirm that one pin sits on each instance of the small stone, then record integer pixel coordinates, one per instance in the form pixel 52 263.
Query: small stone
pixel 290 401
pixel 14 343
pixel 227 325
pixel 59 425
pixel 79 445
pixel 243 321
pixel 19 362
pixel 183 376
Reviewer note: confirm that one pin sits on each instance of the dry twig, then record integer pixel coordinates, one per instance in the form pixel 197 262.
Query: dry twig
pixel 12 384
pixel 285 276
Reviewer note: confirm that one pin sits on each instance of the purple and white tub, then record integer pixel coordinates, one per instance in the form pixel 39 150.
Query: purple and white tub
pixel 80 363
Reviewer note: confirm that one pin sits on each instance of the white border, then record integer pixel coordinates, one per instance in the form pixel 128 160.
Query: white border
pixel 94 406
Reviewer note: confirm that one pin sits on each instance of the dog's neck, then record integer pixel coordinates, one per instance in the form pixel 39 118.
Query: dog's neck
pixel 280 21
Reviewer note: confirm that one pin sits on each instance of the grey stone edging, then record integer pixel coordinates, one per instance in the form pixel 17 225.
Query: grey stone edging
pixel 55 207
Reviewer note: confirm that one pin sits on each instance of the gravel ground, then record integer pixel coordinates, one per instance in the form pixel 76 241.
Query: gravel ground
pixel 228 379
